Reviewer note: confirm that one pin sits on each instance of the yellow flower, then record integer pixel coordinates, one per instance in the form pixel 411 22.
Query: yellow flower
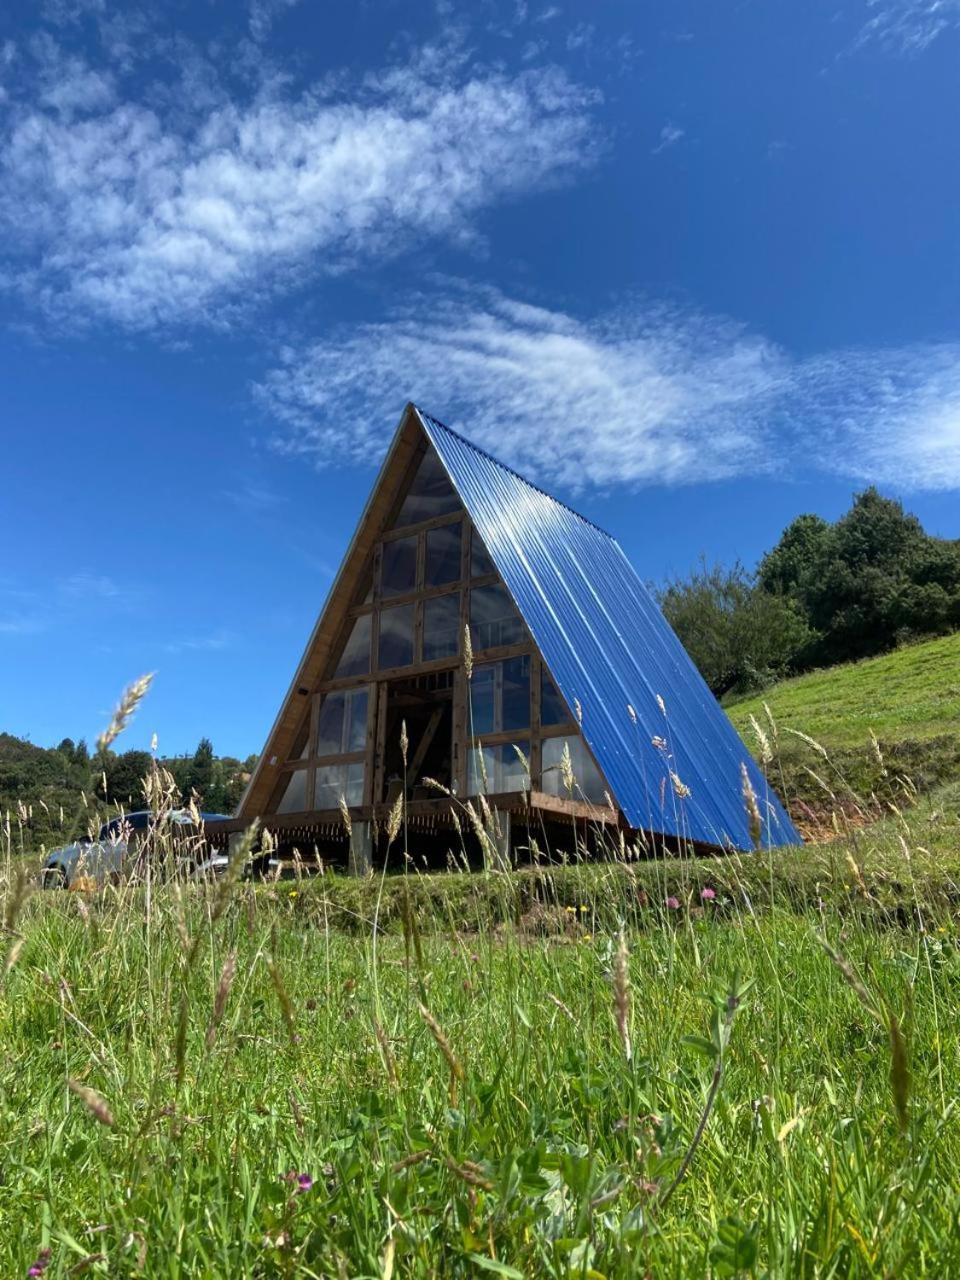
pixel 570 909
pixel 292 893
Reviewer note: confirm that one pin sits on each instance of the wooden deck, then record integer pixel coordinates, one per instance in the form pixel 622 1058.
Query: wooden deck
pixel 327 824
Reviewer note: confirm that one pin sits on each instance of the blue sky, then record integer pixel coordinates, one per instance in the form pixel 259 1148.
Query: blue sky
pixel 691 266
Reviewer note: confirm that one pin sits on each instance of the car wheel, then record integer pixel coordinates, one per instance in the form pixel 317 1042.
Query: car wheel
pixel 54 878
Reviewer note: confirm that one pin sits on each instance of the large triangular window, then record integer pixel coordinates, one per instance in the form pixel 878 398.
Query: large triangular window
pixel 430 493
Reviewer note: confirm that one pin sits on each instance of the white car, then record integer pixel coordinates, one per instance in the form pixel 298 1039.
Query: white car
pixel 118 848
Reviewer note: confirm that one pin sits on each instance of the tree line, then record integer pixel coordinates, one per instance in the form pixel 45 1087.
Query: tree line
pixel 55 793
pixel 826 593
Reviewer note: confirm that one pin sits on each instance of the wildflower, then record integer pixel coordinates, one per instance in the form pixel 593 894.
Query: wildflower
pixel 673 903
pixel 302 1182
pixel 708 894
pixel 40 1263
pixel 582 907
pixel 292 893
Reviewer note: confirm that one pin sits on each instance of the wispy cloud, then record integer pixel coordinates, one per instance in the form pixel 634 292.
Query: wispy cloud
pixel 647 394
pixel 183 209
pixel 85 585
pixel 909 26
pixel 212 643
pixel 20 624
pixel 669 135
pixel 250 496
pixel 264 12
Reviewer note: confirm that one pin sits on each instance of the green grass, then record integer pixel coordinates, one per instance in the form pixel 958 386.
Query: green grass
pixel 530 1142
pixel 912 693
pixel 681 1067
pixel 909 700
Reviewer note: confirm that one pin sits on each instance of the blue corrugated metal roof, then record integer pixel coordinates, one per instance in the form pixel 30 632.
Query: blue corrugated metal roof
pixel 608 647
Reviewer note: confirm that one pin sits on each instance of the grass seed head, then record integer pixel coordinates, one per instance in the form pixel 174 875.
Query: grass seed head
pixel 754 820
pixel 95 1102
pixel 131 698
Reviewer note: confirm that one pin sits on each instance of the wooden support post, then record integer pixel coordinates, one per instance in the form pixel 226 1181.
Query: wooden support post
pixel 503 836
pixel 360 857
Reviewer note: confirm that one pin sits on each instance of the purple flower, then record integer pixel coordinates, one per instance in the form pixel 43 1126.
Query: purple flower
pixel 40 1264
pixel 304 1183
pixel 673 903
pixel 708 894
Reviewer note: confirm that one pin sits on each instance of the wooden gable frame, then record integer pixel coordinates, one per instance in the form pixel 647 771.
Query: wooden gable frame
pixel 408 445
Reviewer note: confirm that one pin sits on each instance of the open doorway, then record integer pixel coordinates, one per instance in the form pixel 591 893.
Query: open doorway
pixel 425 704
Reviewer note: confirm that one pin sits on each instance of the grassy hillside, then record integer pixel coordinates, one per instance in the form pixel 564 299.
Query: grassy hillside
pixel 913 692
pixel 909 699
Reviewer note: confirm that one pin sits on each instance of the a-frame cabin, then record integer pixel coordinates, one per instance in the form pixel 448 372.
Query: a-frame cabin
pixel 573 669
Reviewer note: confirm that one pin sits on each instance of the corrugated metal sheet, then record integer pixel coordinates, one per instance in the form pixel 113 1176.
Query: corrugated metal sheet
pixel 608 646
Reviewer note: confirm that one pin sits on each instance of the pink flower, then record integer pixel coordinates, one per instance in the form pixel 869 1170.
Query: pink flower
pixel 673 903
pixel 301 1181
pixel 708 894
pixel 40 1264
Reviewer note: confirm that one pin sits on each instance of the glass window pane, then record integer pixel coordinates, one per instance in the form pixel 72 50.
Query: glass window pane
pixel 342 724
pixel 493 770
pixel 480 562
pixel 330 724
pixel 431 493
pixel 587 783
pixel 294 797
pixel 493 618
pixel 443 556
pixel 515 693
pixel 553 709
pixel 355 720
pixel 482 693
pixel 396 636
pixel 398 575
pixel 355 659
pixel 336 780
pixel 441 627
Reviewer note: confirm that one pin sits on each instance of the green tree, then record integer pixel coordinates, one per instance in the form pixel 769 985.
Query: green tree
pixel 199 776
pixel 867 582
pixel 791 565
pixel 740 636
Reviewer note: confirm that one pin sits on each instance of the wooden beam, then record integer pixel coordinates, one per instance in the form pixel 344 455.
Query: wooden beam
pixel 383 498
pixel 424 745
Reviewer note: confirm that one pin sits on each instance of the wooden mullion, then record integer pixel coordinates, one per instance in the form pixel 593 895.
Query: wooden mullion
pixel 422 526
pixel 370 748
pixel 499 652
pixel 461 745
pixel 340 757
pixel 381 741
pixel 503 737
pixel 569 730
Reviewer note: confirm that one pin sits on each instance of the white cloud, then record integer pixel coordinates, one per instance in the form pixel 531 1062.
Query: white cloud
pixel 19 624
pixel 86 585
pixel 150 216
pixel 886 416
pixel 263 13
pixel 909 26
pixel 213 643
pixel 669 134
pixel 647 395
